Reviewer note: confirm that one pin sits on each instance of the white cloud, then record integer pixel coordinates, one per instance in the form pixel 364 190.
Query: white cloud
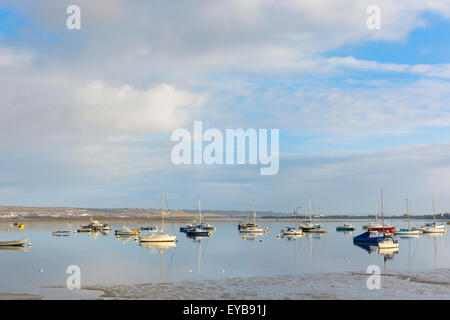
pixel 11 57
pixel 125 109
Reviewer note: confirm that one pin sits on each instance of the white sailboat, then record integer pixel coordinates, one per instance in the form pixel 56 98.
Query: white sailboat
pixel 292 231
pixel 433 227
pixel 375 224
pixel 252 228
pixel 307 226
pixel 407 231
pixel 159 236
pixel 311 227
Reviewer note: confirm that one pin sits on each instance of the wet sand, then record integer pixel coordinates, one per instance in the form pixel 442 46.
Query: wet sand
pixel 19 296
pixel 351 286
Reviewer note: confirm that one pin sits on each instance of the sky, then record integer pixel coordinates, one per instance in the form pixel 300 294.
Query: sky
pixel 87 114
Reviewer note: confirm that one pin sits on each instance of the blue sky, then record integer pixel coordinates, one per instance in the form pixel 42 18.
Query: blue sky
pixel 88 114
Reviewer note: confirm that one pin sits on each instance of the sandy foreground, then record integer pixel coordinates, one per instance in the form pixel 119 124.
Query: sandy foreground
pixel 352 286
pixel 430 285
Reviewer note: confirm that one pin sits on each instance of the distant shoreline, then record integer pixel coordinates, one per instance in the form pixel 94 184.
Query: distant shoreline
pixel 14 213
pixel 112 219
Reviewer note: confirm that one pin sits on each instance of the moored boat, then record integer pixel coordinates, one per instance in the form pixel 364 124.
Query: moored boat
pixel 291 231
pixel 252 228
pixel 62 233
pixel 125 231
pixel 388 243
pixel 407 231
pixel 13 243
pixel 159 236
pixel 372 237
pixel 385 228
pixel 198 232
pixel 346 227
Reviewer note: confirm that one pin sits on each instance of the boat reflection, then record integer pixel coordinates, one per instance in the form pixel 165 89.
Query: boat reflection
pixel 291 237
pixel 154 246
pixel 125 239
pixel 251 236
pixel 388 253
pixel 14 248
pixel 158 245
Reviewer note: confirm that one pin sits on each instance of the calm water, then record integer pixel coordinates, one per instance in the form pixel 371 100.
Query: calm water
pixel 105 260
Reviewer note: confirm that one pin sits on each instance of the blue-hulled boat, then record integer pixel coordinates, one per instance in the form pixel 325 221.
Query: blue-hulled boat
pixel 369 237
pixel 187 227
pixel 63 233
pixel 197 232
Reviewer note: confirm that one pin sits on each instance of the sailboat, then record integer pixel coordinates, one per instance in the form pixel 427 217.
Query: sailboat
pixel 384 227
pixel 316 228
pixel 198 230
pixel 292 231
pixel 375 224
pixel 159 236
pixel 308 226
pixel 252 228
pixel 433 227
pixel 407 231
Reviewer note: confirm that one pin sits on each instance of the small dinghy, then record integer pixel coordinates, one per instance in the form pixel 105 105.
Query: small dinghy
pixel 198 232
pixel 125 231
pixel 407 232
pixel 346 227
pixel 63 233
pixel 151 228
pixel 187 227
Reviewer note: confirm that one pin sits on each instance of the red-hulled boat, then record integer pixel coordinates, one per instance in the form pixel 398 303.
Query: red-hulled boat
pixel 384 229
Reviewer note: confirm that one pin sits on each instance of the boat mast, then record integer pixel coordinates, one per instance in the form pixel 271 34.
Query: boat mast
pixel 200 211
pixel 254 213
pixel 376 209
pixel 310 217
pixel 162 212
pixel 407 212
pixel 434 207
pixel 382 206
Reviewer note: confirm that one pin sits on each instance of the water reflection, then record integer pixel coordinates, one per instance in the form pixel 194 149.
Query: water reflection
pixel 125 239
pixel 14 248
pixel 161 246
pixel 388 253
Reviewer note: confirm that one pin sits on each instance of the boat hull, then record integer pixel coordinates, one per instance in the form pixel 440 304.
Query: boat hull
pixel 13 243
pixel 382 229
pixel 368 239
pixel 292 233
pixel 158 238
pixel 345 228
pixel 252 230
